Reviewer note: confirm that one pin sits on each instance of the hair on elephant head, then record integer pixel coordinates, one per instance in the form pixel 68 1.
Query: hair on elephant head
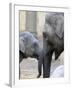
pixel 53 39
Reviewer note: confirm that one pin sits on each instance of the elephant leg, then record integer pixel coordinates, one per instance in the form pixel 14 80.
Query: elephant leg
pixel 47 64
pixel 40 62
pixel 19 71
pixel 39 69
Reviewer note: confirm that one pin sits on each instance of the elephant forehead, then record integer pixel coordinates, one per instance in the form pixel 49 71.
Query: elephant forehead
pixel 27 35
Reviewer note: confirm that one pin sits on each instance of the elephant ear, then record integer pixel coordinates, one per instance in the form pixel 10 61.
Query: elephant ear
pixel 59 30
pixel 21 45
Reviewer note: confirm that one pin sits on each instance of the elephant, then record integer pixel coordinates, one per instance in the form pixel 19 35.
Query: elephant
pixel 53 39
pixel 29 47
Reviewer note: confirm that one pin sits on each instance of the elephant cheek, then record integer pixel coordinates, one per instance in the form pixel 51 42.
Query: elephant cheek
pixel 29 52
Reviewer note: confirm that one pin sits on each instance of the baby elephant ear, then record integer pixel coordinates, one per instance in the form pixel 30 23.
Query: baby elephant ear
pixel 21 45
pixel 60 27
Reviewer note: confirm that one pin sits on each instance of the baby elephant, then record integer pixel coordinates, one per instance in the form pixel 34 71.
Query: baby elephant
pixel 29 47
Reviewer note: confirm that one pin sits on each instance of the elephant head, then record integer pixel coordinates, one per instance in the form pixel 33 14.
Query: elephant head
pixel 55 21
pixel 28 44
pixel 29 47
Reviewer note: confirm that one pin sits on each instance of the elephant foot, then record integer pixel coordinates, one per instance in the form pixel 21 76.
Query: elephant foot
pixel 46 76
pixel 38 75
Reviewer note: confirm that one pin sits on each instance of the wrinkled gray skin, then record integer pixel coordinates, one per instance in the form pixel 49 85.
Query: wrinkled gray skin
pixel 29 47
pixel 53 40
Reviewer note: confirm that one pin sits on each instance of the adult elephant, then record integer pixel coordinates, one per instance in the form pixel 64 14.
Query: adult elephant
pixel 29 47
pixel 53 39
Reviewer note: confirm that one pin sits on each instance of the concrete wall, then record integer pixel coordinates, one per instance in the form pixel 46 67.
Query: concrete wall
pixel 32 21
pixel 22 20
pixel 40 23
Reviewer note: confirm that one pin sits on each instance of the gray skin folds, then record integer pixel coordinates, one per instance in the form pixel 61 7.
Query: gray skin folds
pixel 53 39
